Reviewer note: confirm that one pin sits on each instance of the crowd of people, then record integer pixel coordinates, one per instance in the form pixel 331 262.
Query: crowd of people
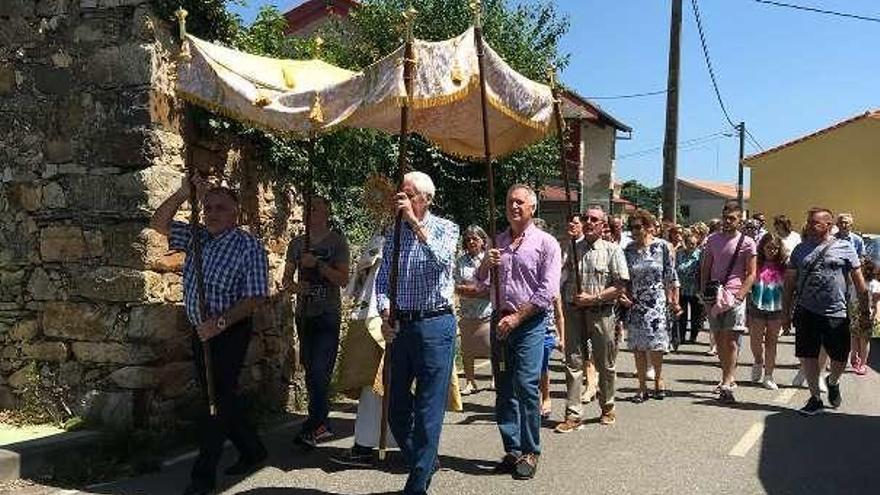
pixel 654 285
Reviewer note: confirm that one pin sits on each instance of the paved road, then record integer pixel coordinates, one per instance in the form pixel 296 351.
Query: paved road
pixel 688 443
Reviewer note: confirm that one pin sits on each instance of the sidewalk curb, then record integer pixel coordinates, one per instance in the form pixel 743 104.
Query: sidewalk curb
pixel 27 459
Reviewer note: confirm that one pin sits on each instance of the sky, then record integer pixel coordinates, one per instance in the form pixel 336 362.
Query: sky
pixel 784 72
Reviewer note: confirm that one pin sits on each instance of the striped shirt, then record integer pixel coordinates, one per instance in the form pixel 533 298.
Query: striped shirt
pixel 425 269
pixel 234 265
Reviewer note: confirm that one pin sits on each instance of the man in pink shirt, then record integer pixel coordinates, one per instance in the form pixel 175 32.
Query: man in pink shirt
pixel 729 263
pixel 529 265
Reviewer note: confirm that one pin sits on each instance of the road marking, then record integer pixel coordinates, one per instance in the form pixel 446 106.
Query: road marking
pixel 785 396
pixel 747 441
pixel 66 492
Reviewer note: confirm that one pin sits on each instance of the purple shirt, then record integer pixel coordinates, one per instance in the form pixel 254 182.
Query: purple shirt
pixel 529 273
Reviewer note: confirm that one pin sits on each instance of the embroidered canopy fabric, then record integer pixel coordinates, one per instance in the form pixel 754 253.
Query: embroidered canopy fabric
pixel 298 97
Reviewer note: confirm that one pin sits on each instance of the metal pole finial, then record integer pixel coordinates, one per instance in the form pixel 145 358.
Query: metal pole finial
pixel 477 9
pixel 409 20
pixel 181 14
pixel 551 76
pixel 319 44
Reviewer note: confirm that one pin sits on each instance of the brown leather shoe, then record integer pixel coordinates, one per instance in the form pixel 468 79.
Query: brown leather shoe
pixel 570 424
pixel 608 417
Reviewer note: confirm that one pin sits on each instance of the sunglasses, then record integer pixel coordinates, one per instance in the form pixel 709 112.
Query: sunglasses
pixel 637 226
pixel 591 219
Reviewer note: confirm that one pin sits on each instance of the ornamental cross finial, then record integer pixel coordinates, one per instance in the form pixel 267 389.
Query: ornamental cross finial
pixel 181 14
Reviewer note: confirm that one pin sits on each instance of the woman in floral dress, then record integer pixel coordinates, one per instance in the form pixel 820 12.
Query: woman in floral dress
pixel 651 290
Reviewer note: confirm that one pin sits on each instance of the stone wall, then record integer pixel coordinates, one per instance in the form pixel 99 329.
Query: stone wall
pixel 90 299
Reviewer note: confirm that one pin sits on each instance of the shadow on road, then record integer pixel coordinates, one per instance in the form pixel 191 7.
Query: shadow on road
pixel 830 453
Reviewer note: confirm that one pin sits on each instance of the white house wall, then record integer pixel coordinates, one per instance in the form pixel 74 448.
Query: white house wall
pixel 597 155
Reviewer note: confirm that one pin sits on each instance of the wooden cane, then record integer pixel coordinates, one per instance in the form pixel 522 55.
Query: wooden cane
pixel 490 178
pixel 394 275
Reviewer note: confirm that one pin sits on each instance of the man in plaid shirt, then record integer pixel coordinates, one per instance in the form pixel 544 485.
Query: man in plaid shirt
pixel 422 337
pixel 235 270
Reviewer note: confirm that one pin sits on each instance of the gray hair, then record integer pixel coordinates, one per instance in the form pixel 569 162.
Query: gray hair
pixel 845 216
pixel 540 223
pixel 422 183
pixel 474 231
pixel 533 197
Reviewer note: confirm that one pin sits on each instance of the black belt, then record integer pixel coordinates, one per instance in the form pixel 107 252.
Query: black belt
pixel 422 314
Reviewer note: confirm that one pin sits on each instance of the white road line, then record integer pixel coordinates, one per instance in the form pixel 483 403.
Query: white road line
pixel 785 396
pixel 747 441
pixel 65 492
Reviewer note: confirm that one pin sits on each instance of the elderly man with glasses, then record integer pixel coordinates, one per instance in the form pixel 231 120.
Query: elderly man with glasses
pixel 589 316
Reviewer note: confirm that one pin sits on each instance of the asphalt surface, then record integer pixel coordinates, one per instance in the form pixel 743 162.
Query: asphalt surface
pixel 688 443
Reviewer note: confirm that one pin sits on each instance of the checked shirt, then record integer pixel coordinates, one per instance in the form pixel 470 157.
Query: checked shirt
pixel 234 265
pixel 425 269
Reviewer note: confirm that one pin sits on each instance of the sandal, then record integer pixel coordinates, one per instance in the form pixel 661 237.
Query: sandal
pixel 660 394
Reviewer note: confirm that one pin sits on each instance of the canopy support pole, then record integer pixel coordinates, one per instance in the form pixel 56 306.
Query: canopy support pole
pixel 188 128
pixel 490 179
pixel 403 167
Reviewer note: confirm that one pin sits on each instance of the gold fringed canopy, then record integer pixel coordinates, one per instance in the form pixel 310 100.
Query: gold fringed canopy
pixel 299 97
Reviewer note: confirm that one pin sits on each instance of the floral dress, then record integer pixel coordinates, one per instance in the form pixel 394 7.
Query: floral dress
pixel 651 271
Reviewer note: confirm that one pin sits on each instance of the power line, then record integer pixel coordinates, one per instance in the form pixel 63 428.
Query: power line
pixel 695 142
pixel 753 140
pixel 708 59
pixel 820 11
pixel 635 95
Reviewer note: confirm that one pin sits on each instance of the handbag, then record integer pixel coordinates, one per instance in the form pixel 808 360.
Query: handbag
pixel 710 292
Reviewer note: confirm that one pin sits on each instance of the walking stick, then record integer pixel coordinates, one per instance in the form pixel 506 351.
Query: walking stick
pixel 490 177
pixel 393 276
pixel 196 249
pixel 574 259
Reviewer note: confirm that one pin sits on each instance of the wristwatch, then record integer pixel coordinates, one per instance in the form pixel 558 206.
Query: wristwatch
pixel 221 323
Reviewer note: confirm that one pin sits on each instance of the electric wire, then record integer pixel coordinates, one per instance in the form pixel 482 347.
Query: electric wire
pixel 820 11
pixel 634 95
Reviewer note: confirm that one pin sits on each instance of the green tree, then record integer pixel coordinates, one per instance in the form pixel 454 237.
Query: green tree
pixel 647 198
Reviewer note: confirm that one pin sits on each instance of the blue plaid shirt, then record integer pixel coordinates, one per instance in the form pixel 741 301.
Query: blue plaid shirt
pixel 425 280
pixel 234 265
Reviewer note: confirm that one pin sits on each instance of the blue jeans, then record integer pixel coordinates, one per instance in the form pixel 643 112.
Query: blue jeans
pixel 517 398
pixel 319 344
pixel 421 351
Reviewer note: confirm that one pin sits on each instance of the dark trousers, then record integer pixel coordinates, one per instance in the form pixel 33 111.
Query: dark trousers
pixel 690 305
pixel 517 400
pixel 422 352
pixel 319 345
pixel 228 350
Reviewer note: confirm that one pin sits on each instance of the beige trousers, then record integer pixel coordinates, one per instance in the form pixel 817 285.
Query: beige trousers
pixel 598 328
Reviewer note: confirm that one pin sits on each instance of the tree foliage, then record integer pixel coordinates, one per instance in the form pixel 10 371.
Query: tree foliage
pixel 526 35
pixel 644 197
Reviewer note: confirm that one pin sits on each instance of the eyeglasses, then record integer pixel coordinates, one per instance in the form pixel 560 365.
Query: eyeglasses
pixel 636 227
pixel 591 219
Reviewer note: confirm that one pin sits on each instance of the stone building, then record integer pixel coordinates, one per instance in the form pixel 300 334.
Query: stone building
pixel 90 299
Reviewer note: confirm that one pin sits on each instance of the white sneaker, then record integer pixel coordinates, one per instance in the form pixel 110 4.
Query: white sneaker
pixel 757 372
pixel 799 379
pixel 651 374
pixel 823 383
pixel 769 384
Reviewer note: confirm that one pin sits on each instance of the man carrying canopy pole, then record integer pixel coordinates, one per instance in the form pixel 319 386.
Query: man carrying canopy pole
pixel 225 278
pixel 414 290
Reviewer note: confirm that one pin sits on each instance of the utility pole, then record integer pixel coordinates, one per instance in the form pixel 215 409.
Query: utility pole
pixel 739 183
pixel 670 143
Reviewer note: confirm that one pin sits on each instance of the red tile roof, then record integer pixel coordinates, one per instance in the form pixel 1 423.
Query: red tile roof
pixel 723 189
pixel 871 114
pixel 557 193
pixel 310 11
